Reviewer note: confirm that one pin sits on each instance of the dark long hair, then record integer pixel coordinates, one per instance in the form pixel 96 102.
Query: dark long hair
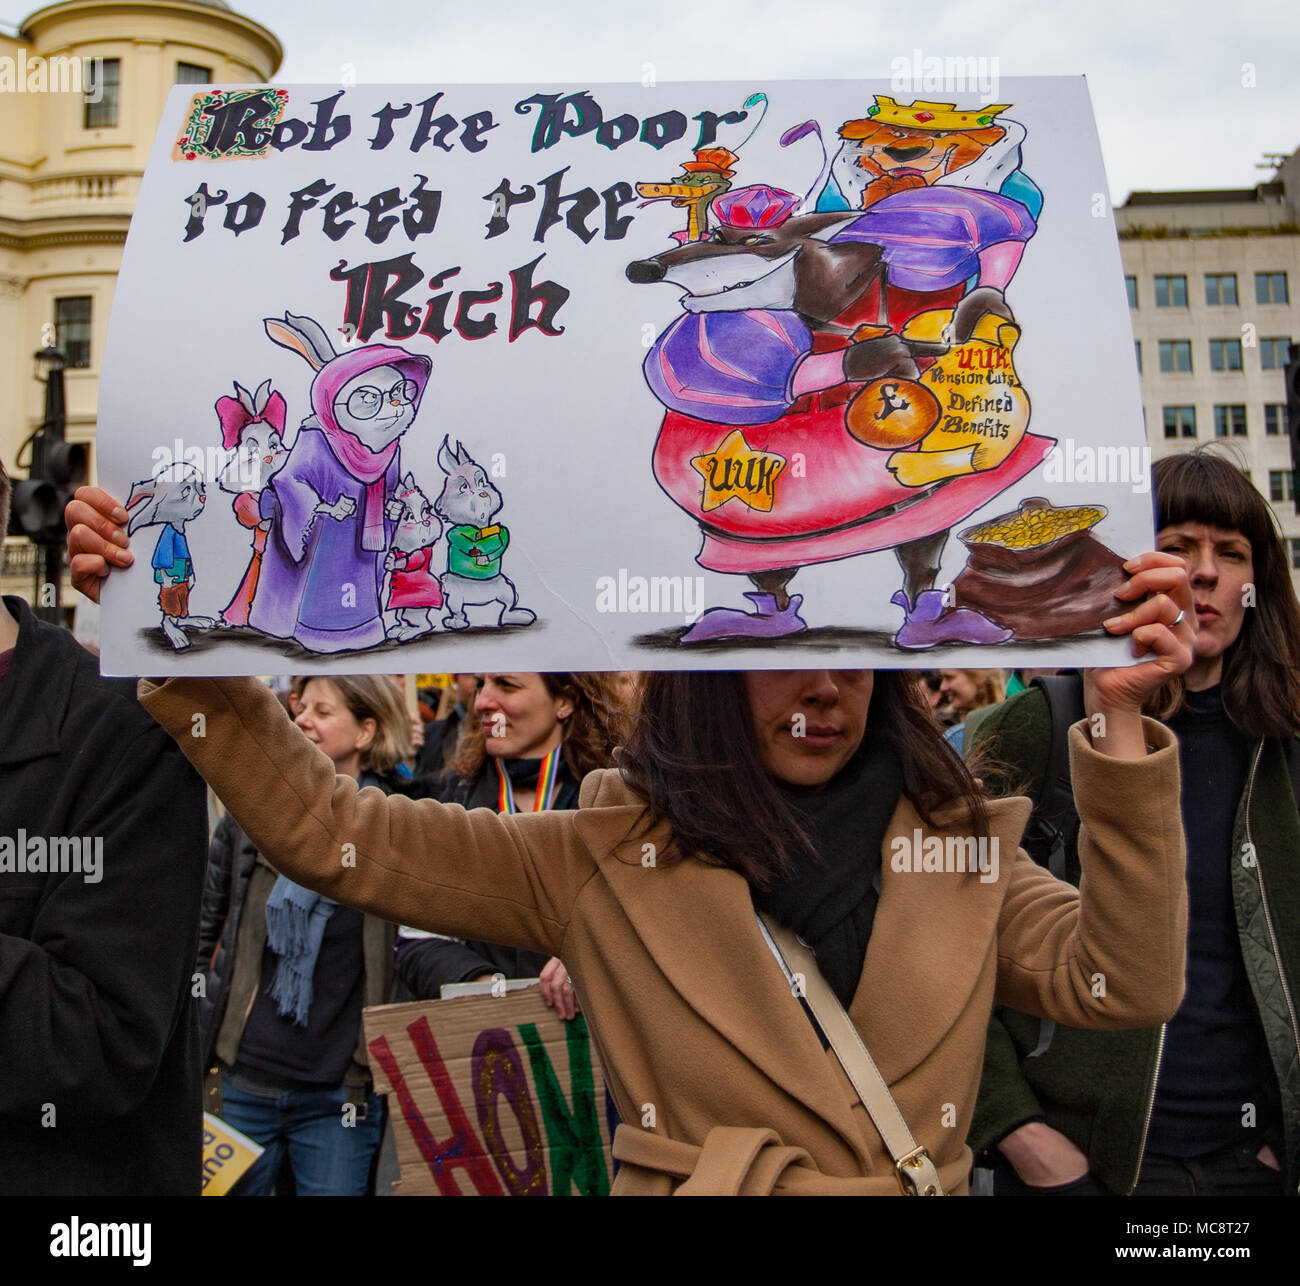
pixel 693 755
pixel 598 724
pixel 1261 670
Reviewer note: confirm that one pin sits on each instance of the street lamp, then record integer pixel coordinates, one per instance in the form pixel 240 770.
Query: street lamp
pixel 48 360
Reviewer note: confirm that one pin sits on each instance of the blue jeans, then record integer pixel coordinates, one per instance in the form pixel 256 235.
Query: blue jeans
pixel 328 1157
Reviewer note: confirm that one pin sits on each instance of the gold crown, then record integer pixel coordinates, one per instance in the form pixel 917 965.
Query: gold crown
pixel 921 115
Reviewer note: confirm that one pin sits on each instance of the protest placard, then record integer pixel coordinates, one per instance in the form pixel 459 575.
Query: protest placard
pixel 227 1156
pixel 491 1096
pixel 621 377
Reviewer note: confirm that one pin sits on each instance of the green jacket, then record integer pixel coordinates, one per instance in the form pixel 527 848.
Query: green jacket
pixel 1098 1087
pixel 475 553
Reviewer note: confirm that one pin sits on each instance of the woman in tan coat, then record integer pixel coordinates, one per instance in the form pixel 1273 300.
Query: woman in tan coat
pixel 822 797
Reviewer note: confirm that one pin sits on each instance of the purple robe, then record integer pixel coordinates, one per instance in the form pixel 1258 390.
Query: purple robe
pixel 318 585
pixel 931 238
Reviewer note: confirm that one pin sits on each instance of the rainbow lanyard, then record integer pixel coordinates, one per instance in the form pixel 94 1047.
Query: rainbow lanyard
pixel 548 777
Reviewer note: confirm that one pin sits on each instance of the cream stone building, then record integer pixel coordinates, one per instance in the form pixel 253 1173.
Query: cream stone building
pixel 82 85
pixel 1213 279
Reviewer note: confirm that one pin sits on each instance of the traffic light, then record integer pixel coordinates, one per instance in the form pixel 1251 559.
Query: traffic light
pixel 56 470
pixel 34 511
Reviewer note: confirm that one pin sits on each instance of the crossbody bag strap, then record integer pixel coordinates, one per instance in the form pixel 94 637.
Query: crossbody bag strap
pixel 917 1174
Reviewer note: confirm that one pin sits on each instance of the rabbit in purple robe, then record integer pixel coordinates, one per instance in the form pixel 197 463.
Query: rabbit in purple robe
pixel 332 506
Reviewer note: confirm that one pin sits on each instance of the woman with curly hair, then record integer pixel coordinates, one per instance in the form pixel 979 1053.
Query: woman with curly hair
pixel 533 738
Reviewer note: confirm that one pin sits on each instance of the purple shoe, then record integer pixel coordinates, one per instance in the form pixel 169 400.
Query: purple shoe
pixel 768 622
pixel 926 625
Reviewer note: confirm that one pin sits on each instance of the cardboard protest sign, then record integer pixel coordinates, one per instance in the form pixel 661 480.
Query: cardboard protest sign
pixel 562 378
pixel 227 1156
pixel 491 1096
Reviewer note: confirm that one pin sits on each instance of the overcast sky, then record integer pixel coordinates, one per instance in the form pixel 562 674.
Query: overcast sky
pixel 1166 78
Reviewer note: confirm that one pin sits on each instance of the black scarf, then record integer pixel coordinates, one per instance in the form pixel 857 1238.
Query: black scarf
pixel 525 772
pixel 831 904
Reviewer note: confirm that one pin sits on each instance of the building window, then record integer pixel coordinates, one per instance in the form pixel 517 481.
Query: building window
pixel 103 114
pixel 1229 421
pixel 72 328
pixel 1137 352
pixel 1275 419
pixel 1180 421
pixel 1272 354
pixel 1295 553
pixel 1131 285
pixel 1175 355
pixel 1171 292
pixel 1225 354
pixel 1221 288
pixel 1281 484
pixel 1270 288
pixel 193 74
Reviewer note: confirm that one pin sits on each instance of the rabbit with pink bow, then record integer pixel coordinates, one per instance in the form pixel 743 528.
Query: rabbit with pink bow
pixel 252 430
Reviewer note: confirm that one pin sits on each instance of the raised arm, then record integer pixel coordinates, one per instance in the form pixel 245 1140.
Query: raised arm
pixel 1110 954
pixel 508 879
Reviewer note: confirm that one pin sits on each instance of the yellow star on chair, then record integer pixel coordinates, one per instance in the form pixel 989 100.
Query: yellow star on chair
pixel 734 470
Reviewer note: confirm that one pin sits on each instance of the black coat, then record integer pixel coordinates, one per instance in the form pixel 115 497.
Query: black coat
pixel 231 860
pixel 99 1057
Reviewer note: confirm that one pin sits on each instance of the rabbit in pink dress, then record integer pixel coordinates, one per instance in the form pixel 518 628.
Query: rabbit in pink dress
pixel 252 427
pixel 413 587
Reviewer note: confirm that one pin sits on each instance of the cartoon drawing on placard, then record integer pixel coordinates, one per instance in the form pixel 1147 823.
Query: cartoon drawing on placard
pixel 252 430
pixel 414 590
pixel 172 499
pixel 852 356
pixel 475 544
pixel 841 378
pixel 332 506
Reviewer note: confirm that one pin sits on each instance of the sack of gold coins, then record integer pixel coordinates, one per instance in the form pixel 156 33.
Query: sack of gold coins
pixel 1040 571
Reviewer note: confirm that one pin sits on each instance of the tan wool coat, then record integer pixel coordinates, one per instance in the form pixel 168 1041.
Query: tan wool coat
pixel 697 1029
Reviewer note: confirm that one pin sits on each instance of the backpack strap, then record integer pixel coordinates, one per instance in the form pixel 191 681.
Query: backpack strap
pixel 1054 817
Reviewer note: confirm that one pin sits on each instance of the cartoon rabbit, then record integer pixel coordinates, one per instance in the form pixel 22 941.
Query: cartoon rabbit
pixel 332 506
pixel 252 430
pixel 474 548
pixel 413 587
pixel 170 499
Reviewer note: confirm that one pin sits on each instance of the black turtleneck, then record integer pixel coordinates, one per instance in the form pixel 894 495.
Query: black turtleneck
pixel 1215 1061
